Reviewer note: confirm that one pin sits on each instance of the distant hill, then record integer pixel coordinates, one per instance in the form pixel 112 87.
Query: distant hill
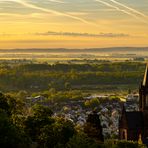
pixel 88 50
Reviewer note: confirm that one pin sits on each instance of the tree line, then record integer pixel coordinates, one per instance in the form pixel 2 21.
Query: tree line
pixel 39 77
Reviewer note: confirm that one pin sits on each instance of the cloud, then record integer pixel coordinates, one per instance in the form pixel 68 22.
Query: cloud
pixel 30 5
pixel 117 8
pixel 123 10
pixel 57 1
pixel 76 34
pixel 72 34
pixel 129 8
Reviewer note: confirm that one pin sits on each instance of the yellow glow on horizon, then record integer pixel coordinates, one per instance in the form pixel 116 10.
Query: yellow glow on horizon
pixel 18 26
pixel 32 41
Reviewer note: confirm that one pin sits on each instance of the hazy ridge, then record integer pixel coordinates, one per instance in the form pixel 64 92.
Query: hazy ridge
pixel 111 49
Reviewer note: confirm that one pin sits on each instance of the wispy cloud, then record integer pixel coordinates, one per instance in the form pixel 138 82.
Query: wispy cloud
pixel 129 8
pixel 10 14
pixel 77 34
pixel 130 13
pixel 58 13
pixel 117 8
pixel 72 34
pixel 57 1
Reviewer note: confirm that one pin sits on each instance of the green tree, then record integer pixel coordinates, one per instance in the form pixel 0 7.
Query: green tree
pixel 128 144
pixel 41 111
pixel 122 144
pixel 40 118
pixel 3 103
pixel 57 134
pixel 80 140
pixel 10 134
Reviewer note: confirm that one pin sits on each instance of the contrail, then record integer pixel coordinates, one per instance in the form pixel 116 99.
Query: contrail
pixel 117 8
pixel 26 4
pixel 122 10
pixel 129 8
pixel 57 1
pixel 50 11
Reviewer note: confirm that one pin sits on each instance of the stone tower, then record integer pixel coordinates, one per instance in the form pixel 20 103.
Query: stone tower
pixel 93 127
pixel 134 124
pixel 143 93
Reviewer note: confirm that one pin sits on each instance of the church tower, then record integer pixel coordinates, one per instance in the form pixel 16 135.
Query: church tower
pixel 134 124
pixel 143 92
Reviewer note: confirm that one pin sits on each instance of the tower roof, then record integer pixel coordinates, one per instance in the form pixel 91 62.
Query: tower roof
pixel 145 79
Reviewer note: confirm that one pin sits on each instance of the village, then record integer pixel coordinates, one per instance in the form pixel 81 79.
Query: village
pixel 109 110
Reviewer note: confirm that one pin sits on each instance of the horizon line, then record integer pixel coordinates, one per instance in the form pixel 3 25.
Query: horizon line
pixel 48 48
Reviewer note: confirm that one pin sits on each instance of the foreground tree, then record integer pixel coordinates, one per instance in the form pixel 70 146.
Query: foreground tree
pixel 81 140
pixel 10 134
pixel 34 123
pixel 57 134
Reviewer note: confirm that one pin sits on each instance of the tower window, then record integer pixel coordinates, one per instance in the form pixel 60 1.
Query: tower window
pixel 146 101
pixel 123 135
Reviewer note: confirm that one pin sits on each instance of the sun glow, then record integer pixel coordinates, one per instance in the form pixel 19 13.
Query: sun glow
pixel 95 23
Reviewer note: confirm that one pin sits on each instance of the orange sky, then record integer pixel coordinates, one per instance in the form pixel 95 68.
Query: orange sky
pixel 73 23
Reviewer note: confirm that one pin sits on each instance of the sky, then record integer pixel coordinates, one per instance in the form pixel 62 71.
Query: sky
pixel 73 23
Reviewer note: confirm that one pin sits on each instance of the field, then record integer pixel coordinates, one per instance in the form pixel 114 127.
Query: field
pixel 75 55
pixel 92 76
